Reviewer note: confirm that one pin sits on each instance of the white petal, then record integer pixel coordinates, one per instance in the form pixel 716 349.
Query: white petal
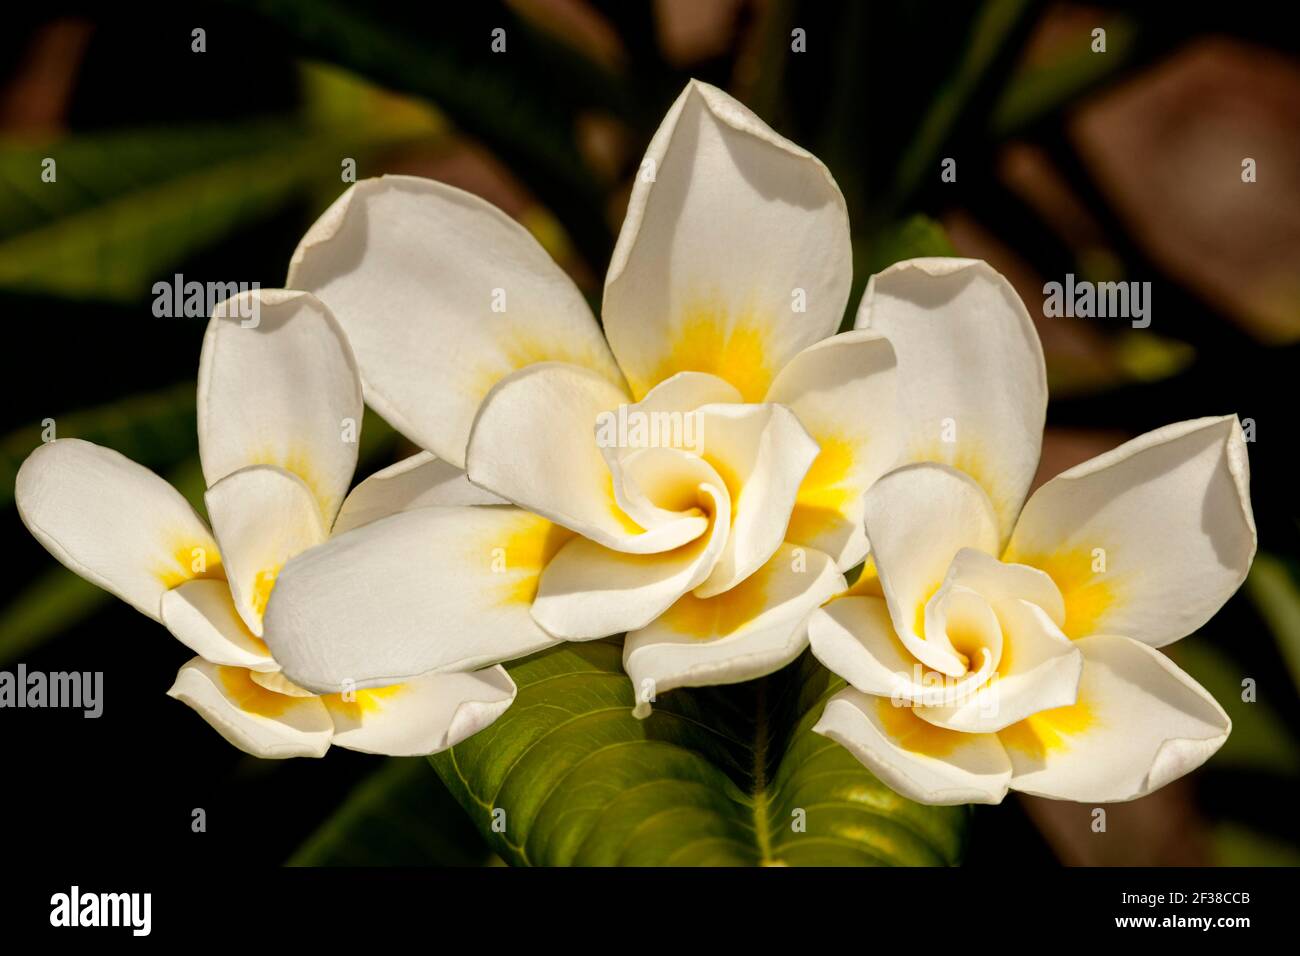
pixel 687 391
pixel 113 522
pixel 843 390
pixel 656 486
pixel 426 715
pixel 442 295
pixel 438 589
pixel 751 630
pixel 590 591
pixel 262 516
pixel 284 391
pixel 664 435
pixel 730 231
pixel 1139 723
pixel 1038 669
pixel 202 616
pixel 1002 583
pixel 1147 540
pixel 256 720
pixel 854 637
pixel 416 482
pixel 971 377
pixel 919 760
pixel 534 443
pixel 964 622
pixel 276 681
pixel 917 518
pixel 762 453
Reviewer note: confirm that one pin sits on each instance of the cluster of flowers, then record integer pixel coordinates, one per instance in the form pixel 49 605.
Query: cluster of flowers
pixel 377 620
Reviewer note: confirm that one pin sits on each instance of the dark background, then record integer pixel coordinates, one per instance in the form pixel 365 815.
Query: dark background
pixel 1122 165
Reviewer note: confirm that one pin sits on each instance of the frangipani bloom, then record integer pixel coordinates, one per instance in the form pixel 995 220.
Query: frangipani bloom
pixel 279 411
pixel 987 647
pixel 1033 667
pixel 708 549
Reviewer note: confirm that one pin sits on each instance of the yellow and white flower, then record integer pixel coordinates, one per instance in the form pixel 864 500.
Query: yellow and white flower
pixel 986 648
pixel 986 651
pixel 725 290
pixel 279 409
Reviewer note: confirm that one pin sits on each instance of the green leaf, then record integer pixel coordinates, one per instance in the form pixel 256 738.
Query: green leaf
pixel 1272 586
pixel 401 815
pixel 715 775
pixel 127 206
pixel 912 238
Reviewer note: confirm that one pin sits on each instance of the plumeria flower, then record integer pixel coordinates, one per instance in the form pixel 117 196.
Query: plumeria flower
pixel 708 547
pixel 279 411
pixel 986 651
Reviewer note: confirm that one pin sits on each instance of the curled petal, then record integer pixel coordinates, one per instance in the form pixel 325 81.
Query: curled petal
pixel 535 443
pixel 590 591
pixel 854 637
pixel 763 453
pixel 256 720
pixel 919 760
pixel 426 715
pixel 843 391
pixel 918 518
pixel 1038 669
pixel 201 614
pixel 751 630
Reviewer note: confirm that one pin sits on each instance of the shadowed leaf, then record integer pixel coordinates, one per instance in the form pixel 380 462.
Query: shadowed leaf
pixel 719 775
pixel 401 815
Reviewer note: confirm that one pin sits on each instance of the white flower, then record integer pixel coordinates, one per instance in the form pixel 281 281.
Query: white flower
pixel 279 408
pixel 994 652
pixel 726 287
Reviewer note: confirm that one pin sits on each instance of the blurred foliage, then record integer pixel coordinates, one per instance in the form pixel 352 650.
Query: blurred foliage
pixel 886 90
pixel 400 815
pixel 130 204
pixel 154 429
pixel 529 125
pixel 1260 739
pixel 1272 585
pixel 1038 92
pixel 1239 845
